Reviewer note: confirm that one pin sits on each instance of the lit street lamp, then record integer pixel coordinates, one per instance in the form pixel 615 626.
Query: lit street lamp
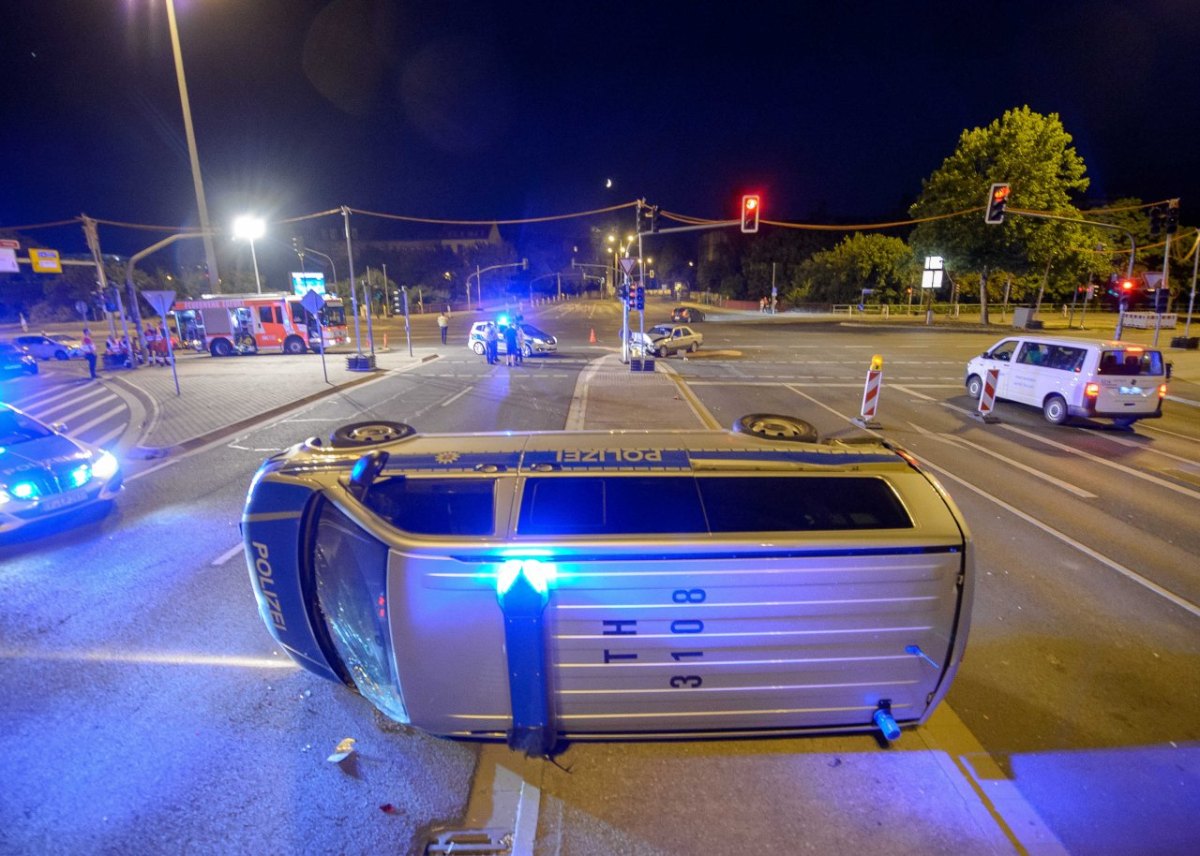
pixel 251 229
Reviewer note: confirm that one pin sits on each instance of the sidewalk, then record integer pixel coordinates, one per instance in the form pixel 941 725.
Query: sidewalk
pixel 217 396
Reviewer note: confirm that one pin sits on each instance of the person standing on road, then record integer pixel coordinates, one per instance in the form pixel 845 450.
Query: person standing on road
pixel 510 344
pixel 491 341
pixel 443 322
pixel 520 345
pixel 89 351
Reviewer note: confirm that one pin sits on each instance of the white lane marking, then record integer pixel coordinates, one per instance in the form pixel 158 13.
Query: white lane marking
pixel 1186 401
pixel 47 396
pixel 226 556
pixel 577 412
pixel 1133 444
pixel 161 658
pixel 79 411
pixel 457 396
pixel 45 412
pixel 1154 428
pixel 1186 605
pixel 959 441
pixel 103 417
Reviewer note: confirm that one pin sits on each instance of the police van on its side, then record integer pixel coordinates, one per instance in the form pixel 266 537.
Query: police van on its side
pixel 549 586
pixel 1075 377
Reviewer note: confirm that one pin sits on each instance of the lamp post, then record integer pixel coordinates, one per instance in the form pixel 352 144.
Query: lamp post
pixel 210 255
pixel 251 229
pixel 523 264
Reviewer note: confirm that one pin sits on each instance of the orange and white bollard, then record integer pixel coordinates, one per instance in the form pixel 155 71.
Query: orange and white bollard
pixel 870 402
pixel 987 397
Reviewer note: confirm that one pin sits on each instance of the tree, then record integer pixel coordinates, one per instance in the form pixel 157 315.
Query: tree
pixel 1031 152
pixel 878 262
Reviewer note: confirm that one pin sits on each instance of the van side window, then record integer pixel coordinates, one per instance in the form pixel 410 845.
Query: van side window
pixel 1066 359
pixel 1032 354
pixel 435 506
pixel 616 505
pixel 638 505
pixel 1003 351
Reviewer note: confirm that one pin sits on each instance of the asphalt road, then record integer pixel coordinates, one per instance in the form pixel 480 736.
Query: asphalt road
pixel 147 710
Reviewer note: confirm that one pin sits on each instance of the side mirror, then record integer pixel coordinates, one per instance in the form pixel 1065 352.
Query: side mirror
pixel 1169 367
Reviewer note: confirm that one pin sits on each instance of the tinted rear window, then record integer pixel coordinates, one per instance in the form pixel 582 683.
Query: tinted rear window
pixel 1130 363
pixel 435 506
pixel 637 505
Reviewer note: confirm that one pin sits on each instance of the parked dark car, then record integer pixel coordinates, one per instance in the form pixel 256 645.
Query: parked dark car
pixel 686 314
pixel 15 361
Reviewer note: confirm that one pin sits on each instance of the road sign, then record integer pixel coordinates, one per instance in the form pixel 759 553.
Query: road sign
pixel 9 244
pixel 8 261
pixel 313 302
pixel 627 265
pixel 160 300
pixel 45 261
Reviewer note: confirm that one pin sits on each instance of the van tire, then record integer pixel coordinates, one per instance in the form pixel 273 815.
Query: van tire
pixel 294 345
pixel 478 348
pixel 1054 409
pixel 974 386
pixel 775 426
pixel 360 434
pixel 220 348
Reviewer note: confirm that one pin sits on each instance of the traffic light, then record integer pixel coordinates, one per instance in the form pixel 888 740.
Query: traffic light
pixel 1125 295
pixel 623 292
pixel 1161 298
pixel 647 220
pixel 639 297
pixel 1156 219
pixel 1172 225
pixel 397 302
pixel 997 202
pixel 298 244
pixel 750 209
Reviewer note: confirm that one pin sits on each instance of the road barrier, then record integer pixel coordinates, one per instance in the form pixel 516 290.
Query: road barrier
pixel 987 397
pixel 870 402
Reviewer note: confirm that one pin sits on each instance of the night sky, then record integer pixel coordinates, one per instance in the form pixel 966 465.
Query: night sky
pixel 509 110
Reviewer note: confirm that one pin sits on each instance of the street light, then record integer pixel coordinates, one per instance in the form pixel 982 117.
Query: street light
pixel 210 255
pixel 251 229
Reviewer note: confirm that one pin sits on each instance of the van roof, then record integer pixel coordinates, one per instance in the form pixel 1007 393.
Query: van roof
pixel 1081 343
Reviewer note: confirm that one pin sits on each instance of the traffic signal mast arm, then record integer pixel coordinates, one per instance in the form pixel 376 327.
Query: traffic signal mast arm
pixel 1041 215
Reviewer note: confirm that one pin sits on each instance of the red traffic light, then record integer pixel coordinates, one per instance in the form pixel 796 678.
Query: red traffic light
pixel 750 206
pixel 1127 285
pixel 1000 192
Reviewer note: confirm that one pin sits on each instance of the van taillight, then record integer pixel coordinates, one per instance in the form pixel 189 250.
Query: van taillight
pixel 1162 390
pixel 1091 390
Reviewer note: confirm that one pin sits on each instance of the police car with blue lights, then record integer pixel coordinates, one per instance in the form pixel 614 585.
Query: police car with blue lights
pixel 44 473
pixel 520 586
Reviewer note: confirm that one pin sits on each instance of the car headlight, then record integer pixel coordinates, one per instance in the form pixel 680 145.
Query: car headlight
pixel 105 466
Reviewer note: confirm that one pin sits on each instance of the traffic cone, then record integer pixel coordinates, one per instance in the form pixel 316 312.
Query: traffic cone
pixel 385 341
pixel 592 338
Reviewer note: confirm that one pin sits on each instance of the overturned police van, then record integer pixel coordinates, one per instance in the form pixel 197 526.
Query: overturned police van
pixel 544 587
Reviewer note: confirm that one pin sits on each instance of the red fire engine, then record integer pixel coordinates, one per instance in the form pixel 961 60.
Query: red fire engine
pixel 227 324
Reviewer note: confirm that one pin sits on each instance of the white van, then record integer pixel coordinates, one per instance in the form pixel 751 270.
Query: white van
pixel 1075 377
pixel 606 585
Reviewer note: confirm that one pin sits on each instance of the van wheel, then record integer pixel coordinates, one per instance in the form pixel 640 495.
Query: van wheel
pixel 773 426
pixel 359 434
pixel 974 386
pixel 478 348
pixel 221 348
pixel 294 345
pixel 1055 409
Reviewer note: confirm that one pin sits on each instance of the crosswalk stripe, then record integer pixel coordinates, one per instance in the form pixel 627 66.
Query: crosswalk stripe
pixel 103 417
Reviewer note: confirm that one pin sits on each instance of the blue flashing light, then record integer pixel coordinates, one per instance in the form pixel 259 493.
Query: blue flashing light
pixel 887 723
pixel 540 575
pixel 23 490
pixel 79 476
pixel 502 320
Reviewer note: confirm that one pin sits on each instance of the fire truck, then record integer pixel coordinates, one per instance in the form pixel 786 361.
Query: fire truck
pixel 226 324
